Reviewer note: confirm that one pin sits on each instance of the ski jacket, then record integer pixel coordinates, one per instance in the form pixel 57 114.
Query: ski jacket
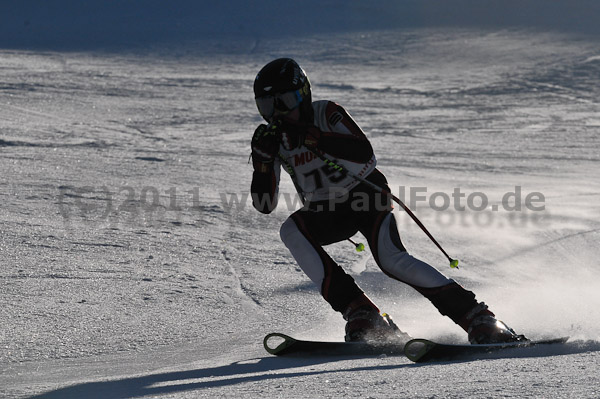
pixel 340 139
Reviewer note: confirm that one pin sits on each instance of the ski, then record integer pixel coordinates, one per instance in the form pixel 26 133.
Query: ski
pixel 424 350
pixel 283 345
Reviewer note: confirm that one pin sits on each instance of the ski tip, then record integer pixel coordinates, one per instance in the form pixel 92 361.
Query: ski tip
pixel 423 350
pixel 280 342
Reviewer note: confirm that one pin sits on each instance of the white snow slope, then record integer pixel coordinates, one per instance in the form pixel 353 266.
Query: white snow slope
pixel 133 265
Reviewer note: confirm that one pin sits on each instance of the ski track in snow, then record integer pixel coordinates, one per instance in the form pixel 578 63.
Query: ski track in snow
pixel 125 274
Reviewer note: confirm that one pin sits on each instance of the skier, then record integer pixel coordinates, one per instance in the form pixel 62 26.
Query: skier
pixel 338 206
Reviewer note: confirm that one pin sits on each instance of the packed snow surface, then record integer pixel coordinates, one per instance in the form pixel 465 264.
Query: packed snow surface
pixel 132 263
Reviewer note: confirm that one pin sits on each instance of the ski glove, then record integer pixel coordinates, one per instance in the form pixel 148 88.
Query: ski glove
pixel 294 136
pixel 265 144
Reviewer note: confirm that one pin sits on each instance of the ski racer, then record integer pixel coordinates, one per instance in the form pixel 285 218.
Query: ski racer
pixel 338 206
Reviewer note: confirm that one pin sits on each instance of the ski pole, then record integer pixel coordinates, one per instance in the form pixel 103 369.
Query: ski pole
pixel 453 262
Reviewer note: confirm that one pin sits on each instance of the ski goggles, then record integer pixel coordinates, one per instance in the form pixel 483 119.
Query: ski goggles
pixel 282 102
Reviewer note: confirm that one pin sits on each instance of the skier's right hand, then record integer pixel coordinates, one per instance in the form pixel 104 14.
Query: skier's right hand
pixel 265 143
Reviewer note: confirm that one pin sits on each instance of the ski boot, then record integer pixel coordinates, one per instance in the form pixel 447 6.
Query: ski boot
pixel 483 327
pixel 366 324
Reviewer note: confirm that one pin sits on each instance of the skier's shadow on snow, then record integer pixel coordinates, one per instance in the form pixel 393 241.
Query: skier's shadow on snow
pixel 255 370
pixel 179 381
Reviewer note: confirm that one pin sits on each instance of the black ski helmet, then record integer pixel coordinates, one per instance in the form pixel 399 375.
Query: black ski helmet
pixel 285 75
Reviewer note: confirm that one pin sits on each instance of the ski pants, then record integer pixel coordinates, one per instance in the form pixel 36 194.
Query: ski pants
pixel 306 231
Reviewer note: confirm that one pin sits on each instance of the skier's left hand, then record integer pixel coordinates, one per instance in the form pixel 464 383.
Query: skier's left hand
pixel 265 143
